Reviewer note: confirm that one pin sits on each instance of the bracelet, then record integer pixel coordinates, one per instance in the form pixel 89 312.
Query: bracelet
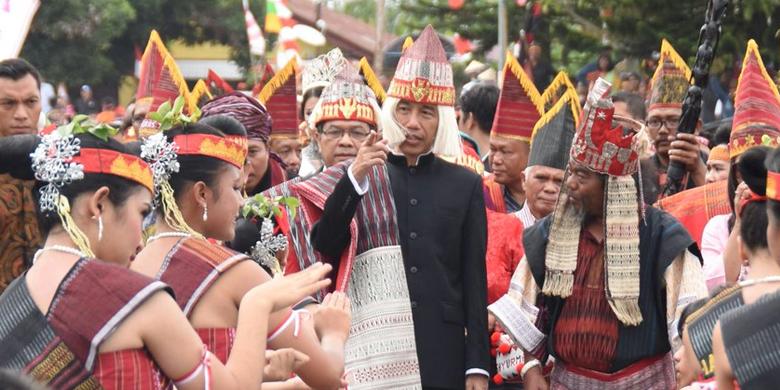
pixel 528 366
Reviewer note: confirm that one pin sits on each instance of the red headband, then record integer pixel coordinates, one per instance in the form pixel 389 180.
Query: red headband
pixel 753 198
pixel 115 163
pixel 211 146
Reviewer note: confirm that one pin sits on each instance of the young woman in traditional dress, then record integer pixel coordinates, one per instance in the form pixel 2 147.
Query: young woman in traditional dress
pixel 73 321
pixel 742 353
pixel 200 195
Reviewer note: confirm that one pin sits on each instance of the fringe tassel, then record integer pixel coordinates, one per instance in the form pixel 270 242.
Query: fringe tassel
pixel 199 90
pixel 277 81
pixel 668 52
pixel 408 42
pixel 171 211
pixel 528 85
pixel 626 310
pixel 550 94
pixel 569 97
pixel 558 283
pixel 372 80
pixel 79 238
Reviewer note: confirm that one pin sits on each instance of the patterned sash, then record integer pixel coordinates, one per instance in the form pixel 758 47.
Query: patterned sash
pixel 381 351
pixel 60 348
pixel 192 266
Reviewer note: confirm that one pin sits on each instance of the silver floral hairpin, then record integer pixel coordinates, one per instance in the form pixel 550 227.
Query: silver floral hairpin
pixel 161 156
pixel 53 163
pixel 264 251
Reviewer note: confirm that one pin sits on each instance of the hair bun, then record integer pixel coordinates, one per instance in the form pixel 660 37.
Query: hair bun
pixel 751 167
pixel 15 153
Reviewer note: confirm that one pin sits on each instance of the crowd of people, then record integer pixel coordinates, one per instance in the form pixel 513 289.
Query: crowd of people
pixel 324 232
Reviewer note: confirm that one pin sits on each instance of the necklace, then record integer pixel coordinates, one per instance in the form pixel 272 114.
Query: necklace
pixel 58 248
pixel 766 279
pixel 166 235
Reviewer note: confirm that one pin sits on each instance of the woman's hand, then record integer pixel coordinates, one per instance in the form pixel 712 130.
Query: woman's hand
pixel 333 316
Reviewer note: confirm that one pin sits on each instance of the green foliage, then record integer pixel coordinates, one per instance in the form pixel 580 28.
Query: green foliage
pixel 169 116
pixel 261 207
pixel 80 124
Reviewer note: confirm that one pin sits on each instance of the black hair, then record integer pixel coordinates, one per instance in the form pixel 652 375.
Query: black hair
pixel 17 68
pixel 772 163
pixel 312 92
pixel 15 160
pixel 481 100
pixel 195 168
pixel 635 103
pixel 226 124
pixel 751 167
pixel 722 135
pixel 687 311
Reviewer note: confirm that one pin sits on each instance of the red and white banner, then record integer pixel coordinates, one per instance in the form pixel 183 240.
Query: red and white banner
pixel 15 19
pixel 253 32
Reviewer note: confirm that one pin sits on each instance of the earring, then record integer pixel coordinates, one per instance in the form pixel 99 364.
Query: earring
pixel 100 227
pixel 205 213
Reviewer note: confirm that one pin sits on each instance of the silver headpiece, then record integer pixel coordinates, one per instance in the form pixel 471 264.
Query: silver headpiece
pixel 264 251
pixel 320 71
pixel 162 158
pixel 53 163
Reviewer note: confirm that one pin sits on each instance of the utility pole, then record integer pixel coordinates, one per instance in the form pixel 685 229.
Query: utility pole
pixel 380 33
pixel 502 33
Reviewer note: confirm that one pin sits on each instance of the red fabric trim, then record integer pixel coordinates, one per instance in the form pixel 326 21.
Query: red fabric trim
pixel 128 369
pixel 210 146
pixel 607 377
pixel 115 163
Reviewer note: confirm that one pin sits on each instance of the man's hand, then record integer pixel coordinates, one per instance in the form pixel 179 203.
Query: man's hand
pixel 280 364
pixel 333 317
pixel 476 382
pixel 371 153
pixel 685 150
pixel 534 379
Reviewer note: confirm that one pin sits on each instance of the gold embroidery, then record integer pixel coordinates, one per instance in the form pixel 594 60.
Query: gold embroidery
pixel 54 362
pixel 133 171
pixel 348 106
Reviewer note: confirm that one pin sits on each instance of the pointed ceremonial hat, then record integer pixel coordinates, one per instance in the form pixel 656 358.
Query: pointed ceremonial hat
pixel 280 98
pixel 554 133
pixel 347 98
pixel 217 86
pixel 424 74
pixel 519 105
pixel 200 95
pixel 159 79
pixel 756 106
pixel 560 84
pixel 671 79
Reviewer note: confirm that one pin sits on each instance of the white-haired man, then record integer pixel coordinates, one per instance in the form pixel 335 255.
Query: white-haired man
pixel 407 232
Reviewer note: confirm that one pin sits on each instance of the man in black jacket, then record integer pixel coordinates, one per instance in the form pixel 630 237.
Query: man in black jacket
pixel 398 194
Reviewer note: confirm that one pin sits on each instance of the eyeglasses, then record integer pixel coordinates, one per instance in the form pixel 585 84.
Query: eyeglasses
pixel 356 134
pixel 670 123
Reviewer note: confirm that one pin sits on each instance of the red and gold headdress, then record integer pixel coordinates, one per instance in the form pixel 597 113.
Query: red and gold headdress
pixel 211 146
pixel 519 105
pixel 346 98
pixel 280 98
pixel 756 106
pixel 217 86
pixel 671 79
pixel 424 74
pixel 199 96
pixel 160 79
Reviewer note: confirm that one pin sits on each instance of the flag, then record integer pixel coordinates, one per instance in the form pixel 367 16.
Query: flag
pixel 253 32
pixel 15 19
pixel 272 22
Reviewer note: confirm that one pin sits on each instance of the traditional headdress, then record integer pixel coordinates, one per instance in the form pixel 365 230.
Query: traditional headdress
pixel 372 81
pixel 159 81
pixel 612 151
pixel 424 76
pixel 279 97
pixel 320 71
pixel 218 86
pixel 719 153
pixel 59 160
pixel 245 109
pixel 162 156
pixel 519 105
pixel 554 132
pixel 346 98
pixel 200 95
pixel 560 84
pixel 756 106
pixel 671 79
